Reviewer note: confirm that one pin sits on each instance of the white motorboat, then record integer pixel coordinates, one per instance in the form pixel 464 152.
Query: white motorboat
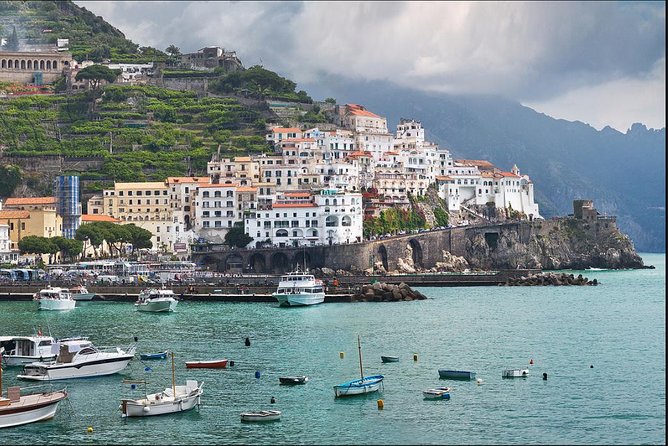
pixel 438 393
pixel 299 288
pixel 156 300
pixel 261 415
pixel 79 358
pixel 17 409
pixel 80 292
pixel 54 298
pixel 21 350
pixel 515 373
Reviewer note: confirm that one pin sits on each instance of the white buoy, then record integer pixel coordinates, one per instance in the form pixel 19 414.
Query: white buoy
pixel 478 381
pixel 147 409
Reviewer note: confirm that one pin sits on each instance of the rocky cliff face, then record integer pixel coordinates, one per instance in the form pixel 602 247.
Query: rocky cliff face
pixel 565 243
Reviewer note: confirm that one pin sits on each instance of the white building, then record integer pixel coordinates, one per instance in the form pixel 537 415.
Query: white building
pixel 328 216
pixel 215 210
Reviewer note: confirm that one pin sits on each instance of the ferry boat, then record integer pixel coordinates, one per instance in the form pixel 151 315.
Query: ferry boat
pixel 299 288
pixel 156 300
pixel 55 298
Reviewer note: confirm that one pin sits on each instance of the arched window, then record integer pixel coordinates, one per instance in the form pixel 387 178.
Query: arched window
pixel 230 193
pixel 23 64
pixel 55 65
pixel 346 221
pixel 282 233
pixel 205 194
pixel 332 221
pixel 48 64
pixel 217 194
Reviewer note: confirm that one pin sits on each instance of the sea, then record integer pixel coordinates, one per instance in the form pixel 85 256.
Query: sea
pixel 602 347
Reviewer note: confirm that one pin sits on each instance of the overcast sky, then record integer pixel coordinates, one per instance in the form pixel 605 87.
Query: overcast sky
pixel 603 63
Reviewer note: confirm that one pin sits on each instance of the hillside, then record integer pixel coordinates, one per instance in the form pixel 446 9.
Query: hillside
pixel 624 173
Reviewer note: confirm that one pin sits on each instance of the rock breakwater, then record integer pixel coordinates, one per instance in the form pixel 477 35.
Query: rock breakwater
pixel 545 279
pixel 383 292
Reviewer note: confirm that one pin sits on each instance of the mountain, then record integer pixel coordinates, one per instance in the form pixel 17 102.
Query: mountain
pixel 624 173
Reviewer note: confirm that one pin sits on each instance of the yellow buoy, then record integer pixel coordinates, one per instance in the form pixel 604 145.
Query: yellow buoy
pixel 415 356
pixel 341 355
pixel 90 429
pixel 381 404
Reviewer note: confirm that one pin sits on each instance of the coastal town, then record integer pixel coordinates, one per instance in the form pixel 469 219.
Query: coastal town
pixel 317 186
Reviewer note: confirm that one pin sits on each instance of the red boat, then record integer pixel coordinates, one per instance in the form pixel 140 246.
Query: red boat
pixel 216 364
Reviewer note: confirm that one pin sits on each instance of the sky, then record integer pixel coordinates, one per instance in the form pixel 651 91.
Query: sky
pixel 602 63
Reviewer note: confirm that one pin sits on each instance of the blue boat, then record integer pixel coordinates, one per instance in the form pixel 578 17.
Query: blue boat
pixel 162 355
pixel 455 374
pixel 366 384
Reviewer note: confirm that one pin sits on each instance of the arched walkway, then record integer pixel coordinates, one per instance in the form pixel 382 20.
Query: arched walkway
pixel 417 252
pixel 280 263
pixel 258 263
pixel 382 256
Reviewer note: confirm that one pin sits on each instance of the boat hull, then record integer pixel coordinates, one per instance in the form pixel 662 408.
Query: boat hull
pixel 299 299
pixel 146 356
pixel 83 296
pixel 265 415
pixel 147 407
pixel 13 361
pixel 456 374
pixel 359 386
pixel 515 373
pixel 31 408
pixel 158 306
pixel 389 358
pixel 56 304
pixel 292 380
pixel 436 395
pixel 207 364
pixel 99 367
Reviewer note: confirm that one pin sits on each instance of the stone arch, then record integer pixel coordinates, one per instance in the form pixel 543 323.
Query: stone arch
pixel 41 64
pixel 382 256
pixel 257 263
pixel 29 66
pixel 234 263
pixel 48 64
pixel 415 246
pixel 346 221
pixel 23 64
pixel 280 263
pixel 3 63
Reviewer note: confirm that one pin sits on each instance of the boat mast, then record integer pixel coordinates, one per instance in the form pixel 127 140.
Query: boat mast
pixel 173 381
pixel 359 348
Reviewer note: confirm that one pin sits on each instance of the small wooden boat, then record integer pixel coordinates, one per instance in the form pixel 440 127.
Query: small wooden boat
pixel 365 384
pixel 262 415
pixel 215 364
pixel 145 356
pixel 438 393
pixel 290 380
pixel 389 358
pixel 515 373
pixel 455 374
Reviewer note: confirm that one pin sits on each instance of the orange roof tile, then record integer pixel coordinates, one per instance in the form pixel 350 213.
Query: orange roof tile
pixel 286 130
pixel 442 177
pixel 508 174
pixel 246 189
pixel 30 200
pixel 14 214
pixel 294 205
pixel 96 217
pixel 297 194
pixel 187 179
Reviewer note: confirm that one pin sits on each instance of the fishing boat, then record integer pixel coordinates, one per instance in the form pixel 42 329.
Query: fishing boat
pixel 80 292
pixel 145 356
pixel 171 400
pixel 21 350
pixel 261 415
pixel 54 298
pixel 291 380
pixel 17 409
pixel 438 393
pixel 215 364
pixel 298 288
pixel 366 384
pixel 389 358
pixel 79 358
pixel 456 374
pixel 156 300
pixel 515 373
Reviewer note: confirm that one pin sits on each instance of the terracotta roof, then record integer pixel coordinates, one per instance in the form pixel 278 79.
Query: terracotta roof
pixel 479 163
pixel 359 153
pixel 286 130
pixel 443 177
pixel 508 174
pixel 294 205
pixel 14 214
pixel 98 217
pixel 242 159
pixel 141 185
pixel 246 189
pixel 187 179
pixel 30 200
pixel 297 194
pixel 230 186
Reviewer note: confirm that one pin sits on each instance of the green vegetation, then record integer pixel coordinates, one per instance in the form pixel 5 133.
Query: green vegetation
pixel 260 83
pixel 115 235
pixel 10 177
pixel 68 248
pixel 237 236
pixel 95 74
pixel 394 220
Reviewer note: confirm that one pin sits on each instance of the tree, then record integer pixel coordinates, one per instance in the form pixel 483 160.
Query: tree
pixel 90 233
pixel 33 244
pixel 330 101
pixel 173 50
pixel 140 238
pixel 68 248
pixel 10 177
pixel 237 236
pixel 95 74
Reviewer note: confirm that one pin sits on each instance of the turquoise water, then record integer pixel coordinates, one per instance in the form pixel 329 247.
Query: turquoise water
pixel 618 327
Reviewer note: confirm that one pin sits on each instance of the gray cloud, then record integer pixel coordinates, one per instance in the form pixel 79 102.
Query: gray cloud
pixel 539 53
